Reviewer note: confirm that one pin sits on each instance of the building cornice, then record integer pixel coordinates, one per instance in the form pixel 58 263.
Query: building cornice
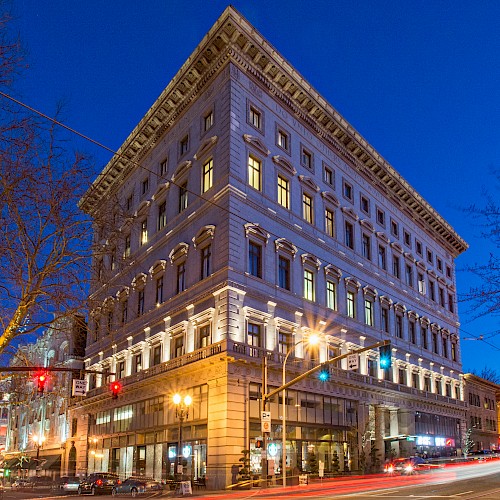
pixel 234 39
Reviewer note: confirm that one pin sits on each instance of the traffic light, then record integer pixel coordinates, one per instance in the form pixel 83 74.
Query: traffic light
pixel 385 353
pixel 116 388
pixel 324 375
pixel 40 379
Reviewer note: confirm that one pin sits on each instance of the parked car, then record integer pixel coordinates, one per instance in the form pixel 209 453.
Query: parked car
pixel 19 484
pixel 69 484
pixel 98 483
pixel 136 485
pixel 40 483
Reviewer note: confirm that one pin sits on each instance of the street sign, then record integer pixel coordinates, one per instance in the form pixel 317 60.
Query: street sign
pixel 79 388
pixel 265 420
pixel 353 361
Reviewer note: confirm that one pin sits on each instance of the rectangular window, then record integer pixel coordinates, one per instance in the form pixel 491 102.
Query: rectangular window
pixel 307 208
pixel 283 192
pixel 308 285
pixel 439 264
pixel 162 215
pixel 159 290
pixel 366 247
pixel 255 117
pixel 385 319
pixel 429 256
pixel 413 332
pixel 407 238
pixel 451 307
pixel 432 290
pixel 394 228
pixel 283 272
pixel 184 145
pixel 399 326
pixel 283 140
pixel 255 259
pixel 423 334
pixel 120 369
pixel 382 257
pixel 418 247
pixel 381 217
pixel 183 197
pixel 206 257
pixel 396 269
pixel 453 351
pixel 208 175
pixel 441 297
pixel 254 173
pixel 331 295
pixel 204 336
pixel 130 202
pixel 163 167
pixel 328 175
pixel 415 380
pixel 254 338
pixel 368 312
pixel 284 342
pixel 178 346
pixel 306 158
pixel 329 222
pixel 421 284
pixel 156 355
pixel 402 376
pixel 445 347
pixel 208 121
pixel 126 247
pixel 145 186
pixel 448 271
pixel 351 304
pixel 365 204
pixel 347 190
pixel 435 342
pixel 409 275
pixel 427 384
pixel 140 302
pixel 144 232
pixel 349 235
pixel 181 277
pixel 124 311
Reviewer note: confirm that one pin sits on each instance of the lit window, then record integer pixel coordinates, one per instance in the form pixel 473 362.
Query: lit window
pixel 208 172
pixel 351 304
pixel 126 249
pixel 284 272
pixel 307 208
pixel 255 259
pixel 204 336
pixel 329 222
pixel 156 355
pixel 254 338
pixel 283 192
pixel 308 285
pixel 144 232
pixel 331 295
pixel 254 173
pixel 369 312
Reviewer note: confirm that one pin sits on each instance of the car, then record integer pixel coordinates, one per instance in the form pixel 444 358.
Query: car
pixel 69 484
pixel 409 465
pixel 40 483
pixel 19 484
pixel 136 485
pixel 98 483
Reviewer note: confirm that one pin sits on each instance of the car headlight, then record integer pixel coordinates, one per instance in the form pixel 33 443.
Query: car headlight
pixel 409 468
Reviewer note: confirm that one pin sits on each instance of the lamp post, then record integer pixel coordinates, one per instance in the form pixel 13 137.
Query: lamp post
pixel 181 412
pixel 311 340
pixel 38 440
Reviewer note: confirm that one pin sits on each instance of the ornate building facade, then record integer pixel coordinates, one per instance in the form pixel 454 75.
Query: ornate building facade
pixel 242 214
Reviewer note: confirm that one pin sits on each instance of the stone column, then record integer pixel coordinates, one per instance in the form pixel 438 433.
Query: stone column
pixel 394 423
pixel 379 436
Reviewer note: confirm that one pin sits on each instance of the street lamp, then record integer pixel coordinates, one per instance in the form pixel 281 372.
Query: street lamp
pixel 181 412
pixel 311 340
pixel 38 440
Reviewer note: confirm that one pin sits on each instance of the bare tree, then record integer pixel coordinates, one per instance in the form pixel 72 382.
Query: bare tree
pixel 487 373
pixel 45 241
pixel 485 298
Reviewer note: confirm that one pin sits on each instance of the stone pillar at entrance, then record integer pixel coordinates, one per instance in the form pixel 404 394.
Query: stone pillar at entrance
pixel 394 424
pixel 379 436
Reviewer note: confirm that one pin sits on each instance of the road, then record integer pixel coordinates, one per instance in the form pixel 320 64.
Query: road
pixel 480 480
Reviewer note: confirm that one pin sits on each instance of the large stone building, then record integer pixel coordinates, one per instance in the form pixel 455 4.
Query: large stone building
pixel 242 214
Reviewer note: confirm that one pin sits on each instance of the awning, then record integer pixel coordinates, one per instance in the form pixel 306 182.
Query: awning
pixel 50 462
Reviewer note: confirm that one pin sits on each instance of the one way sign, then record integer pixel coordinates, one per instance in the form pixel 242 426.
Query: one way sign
pixel 353 361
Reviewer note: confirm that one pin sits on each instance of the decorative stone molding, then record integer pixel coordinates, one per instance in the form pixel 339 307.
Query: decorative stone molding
pixel 352 283
pixel 285 164
pixel 254 230
pixel 181 169
pixel 123 293
pixel 397 247
pixel 256 143
pixel 252 314
pixel 329 197
pixel 421 265
pixel 383 237
pixel 283 245
pixel 179 252
pixel 205 233
pixel 157 268
pixel 367 225
pixel 143 208
pixel 311 260
pixel 160 190
pixel 349 212
pixel 370 291
pixel 400 308
pixel 333 272
pixel 307 181
pixel 139 282
pixel 205 147
pixel 386 301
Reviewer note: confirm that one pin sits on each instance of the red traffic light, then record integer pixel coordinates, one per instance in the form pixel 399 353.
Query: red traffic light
pixel 40 379
pixel 116 388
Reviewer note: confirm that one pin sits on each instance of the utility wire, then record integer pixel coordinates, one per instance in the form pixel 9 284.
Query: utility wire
pixel 115 153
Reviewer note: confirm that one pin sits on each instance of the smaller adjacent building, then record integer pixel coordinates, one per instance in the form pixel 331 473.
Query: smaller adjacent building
pixel 38 431
pixel 483 413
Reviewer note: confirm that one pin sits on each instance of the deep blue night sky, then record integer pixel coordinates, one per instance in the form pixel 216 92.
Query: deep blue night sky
pixel 420 80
